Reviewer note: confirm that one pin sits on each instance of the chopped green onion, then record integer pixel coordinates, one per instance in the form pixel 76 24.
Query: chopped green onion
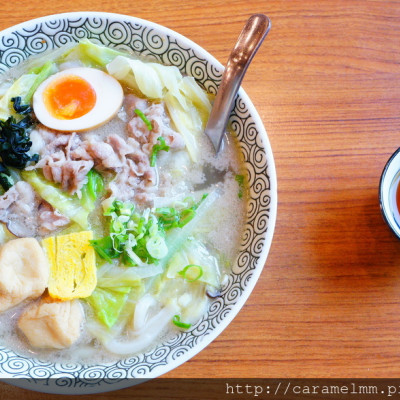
pixel 95 184
pixel 156 247
pixel 169 217
pixel 177 321
pixel 186 216
pixel 240 180
pixel 104 248
pixel 92 190
pixel 190 270
pixel 143 118
pixel 135 237
pixel 156 149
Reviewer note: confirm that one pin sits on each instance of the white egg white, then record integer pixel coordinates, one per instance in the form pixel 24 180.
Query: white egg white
pixel 109 97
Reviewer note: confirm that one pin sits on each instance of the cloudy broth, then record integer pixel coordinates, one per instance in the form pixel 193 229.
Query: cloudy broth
pixel 177 177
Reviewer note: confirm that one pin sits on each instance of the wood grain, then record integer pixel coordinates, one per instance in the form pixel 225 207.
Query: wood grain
pixel 327 86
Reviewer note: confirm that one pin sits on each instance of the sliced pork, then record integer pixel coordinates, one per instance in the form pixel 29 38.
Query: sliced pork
pixel 103 155
pixel 50 220
pixel 26 214
pixel 18 209
pixel 159 120
pixel 134 176
pixel 64 160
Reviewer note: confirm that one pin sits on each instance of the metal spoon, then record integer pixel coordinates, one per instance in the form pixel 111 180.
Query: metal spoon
pixel 250 39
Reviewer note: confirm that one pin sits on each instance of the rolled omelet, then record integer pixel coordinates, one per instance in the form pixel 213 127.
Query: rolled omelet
pixel 72 265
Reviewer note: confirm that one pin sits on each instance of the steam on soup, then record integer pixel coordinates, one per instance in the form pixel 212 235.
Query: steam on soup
pixel 115 231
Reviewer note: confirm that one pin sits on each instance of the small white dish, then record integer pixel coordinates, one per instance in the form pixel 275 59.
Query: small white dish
pixel 388 187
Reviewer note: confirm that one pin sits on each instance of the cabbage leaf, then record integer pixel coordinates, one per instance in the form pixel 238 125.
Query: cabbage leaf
pixel 108 303
pixel 198 96
pixel 19 88
pixel 111 296
pixel 187 122
pixel 90 54
pixel 42 73
pixel 194 252
pixel 24 87
pixel 150 79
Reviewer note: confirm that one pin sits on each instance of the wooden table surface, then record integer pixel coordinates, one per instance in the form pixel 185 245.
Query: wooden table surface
pixel 326 84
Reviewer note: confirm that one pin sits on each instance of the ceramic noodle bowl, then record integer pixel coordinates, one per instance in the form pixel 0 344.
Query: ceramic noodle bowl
pixel 167 47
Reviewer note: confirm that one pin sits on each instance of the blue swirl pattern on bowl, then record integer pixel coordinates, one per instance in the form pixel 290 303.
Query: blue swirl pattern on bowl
pixel 165 46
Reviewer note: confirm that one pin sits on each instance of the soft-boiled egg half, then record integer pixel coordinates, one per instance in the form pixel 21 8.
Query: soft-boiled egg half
pixel 77 99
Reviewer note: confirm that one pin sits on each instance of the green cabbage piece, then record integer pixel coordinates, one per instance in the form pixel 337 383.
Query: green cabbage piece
pixel 189 296
pixel 150 79
pixel 90 54
pixel 105 333
pixel 194 252
pixel 42 73
pixel 111 276
pixel 199 98
pixel 72 207
pixel 187 121
pixel 187 104
pixel 68 205
pixel 24 87
pixel 19 88
pixel 111 296
pixel 107 304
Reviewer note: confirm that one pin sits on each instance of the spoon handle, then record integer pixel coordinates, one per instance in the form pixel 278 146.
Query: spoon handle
pixel 250 39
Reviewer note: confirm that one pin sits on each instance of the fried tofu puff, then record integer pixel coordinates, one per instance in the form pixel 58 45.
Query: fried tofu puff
pixel 24 272
pixel 52 324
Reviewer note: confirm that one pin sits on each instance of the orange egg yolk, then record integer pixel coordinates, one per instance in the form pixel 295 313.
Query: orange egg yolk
pixel 69 97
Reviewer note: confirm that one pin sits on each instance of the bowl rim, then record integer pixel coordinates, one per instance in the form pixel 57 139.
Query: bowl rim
pixel 262 256
pixel 384 210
